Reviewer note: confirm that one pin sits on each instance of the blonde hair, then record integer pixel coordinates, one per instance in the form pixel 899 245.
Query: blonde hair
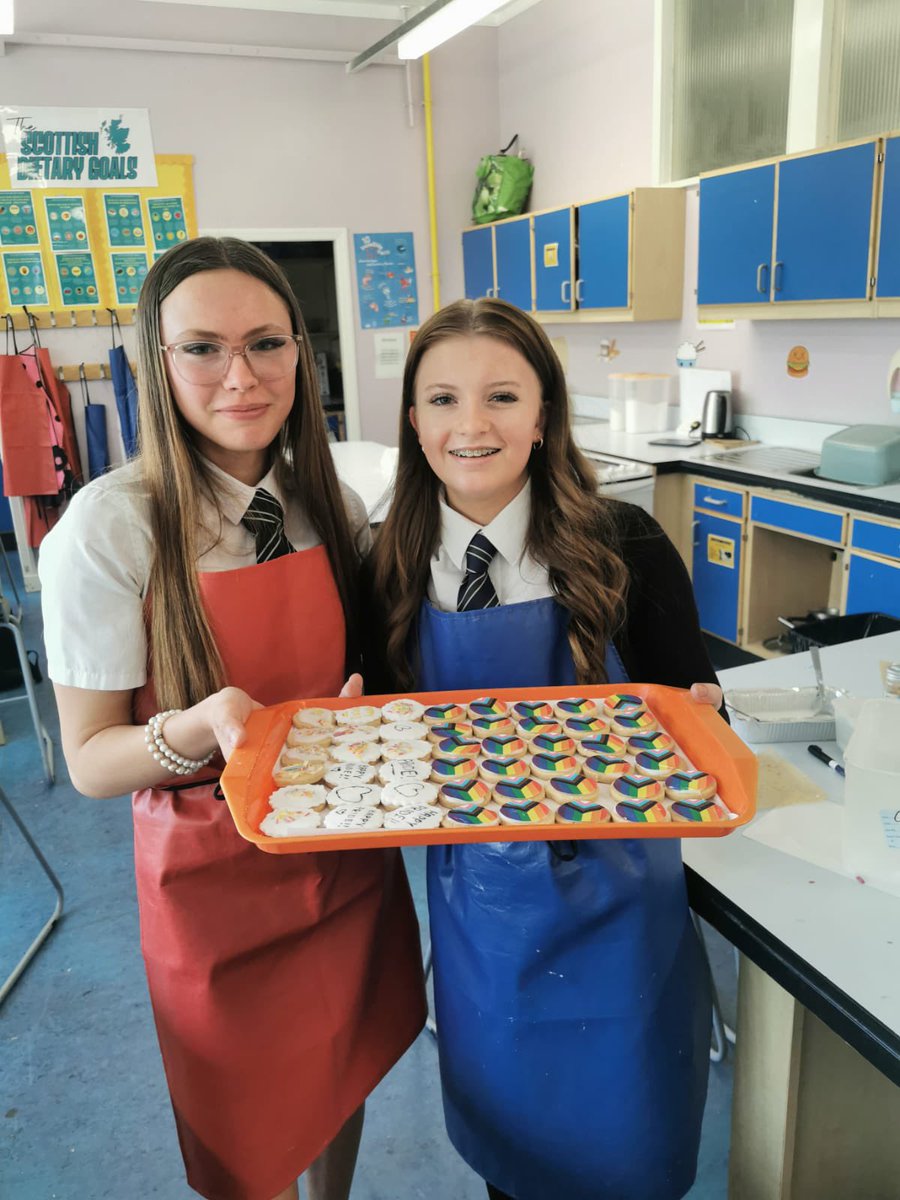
pixel 571 530
pixel 176 476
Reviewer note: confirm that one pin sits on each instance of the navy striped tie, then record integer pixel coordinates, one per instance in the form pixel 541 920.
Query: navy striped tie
pixel 476 589
pixel 265 520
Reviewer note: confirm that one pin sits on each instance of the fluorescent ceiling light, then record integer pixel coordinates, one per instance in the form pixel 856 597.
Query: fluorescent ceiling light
pixel 444 23
pixel 7 19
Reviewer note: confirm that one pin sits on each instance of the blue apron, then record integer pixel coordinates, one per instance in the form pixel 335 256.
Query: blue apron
pixel 571 997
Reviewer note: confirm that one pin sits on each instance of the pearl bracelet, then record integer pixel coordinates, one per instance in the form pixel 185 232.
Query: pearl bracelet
pixel 159 748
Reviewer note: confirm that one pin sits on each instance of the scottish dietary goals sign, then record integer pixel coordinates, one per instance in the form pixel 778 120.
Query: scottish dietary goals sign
pixel 78 147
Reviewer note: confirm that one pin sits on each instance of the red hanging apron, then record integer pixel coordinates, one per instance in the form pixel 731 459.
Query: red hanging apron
pixel 283 986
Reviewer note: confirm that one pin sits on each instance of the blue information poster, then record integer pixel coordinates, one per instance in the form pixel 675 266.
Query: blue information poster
pixel 77 278
pixel 17 227
pixel 25 277
pixel 67 222
pixel 128 272
pixel 386 279
pixel 167 222
pixel 124 220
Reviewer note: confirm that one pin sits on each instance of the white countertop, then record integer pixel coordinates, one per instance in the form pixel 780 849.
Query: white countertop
pixel 846 930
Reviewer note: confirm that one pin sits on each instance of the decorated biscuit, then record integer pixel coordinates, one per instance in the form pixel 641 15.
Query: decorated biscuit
pixel 642 722
pixel 619 700
pixel 472 816
pixel 360 749
pixel 690 785
pixel 575 706
pixel 457 746
pixel 354 793
pixel 492 769
pixel 526 812
pixel 554 743
pixel 488 706
pixel 310 770
pixel 359 714
pixel 483 726
pixel 658 764
pixel 413 749
pixel 351 818
pixel 349 772
pixel 582 812
pixel 504 745
pixel 466 791
pixel 296 796
pixel 654 740
pixel 437 733
pixel 453 770
pixel 605 767
pixel 532 708
pixel 308 739
pixel 521 787
pixel 606 743
pixel 585 727
pixel 290 822
pixel 440 714
pixel 300 754
pixel 694 812
pixel 403 731
pixel 572 787
pixel 399 770
pixel 546 765
pixel 317 718
pixel 636 787
pixel 530 727
pixel 640 812
pixel 408 791
pixel 404 708
pixel 413 816
pixel 341 734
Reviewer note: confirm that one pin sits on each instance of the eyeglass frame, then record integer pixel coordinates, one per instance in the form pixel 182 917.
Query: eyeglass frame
pixel 296 338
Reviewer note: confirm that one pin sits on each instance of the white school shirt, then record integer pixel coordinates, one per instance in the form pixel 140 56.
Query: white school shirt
pixel 514 573
pixel 95 564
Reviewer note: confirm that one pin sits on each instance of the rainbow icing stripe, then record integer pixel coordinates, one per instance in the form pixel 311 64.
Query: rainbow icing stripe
pixel 584 727
pixel 533 725
pixel 573 785
pixel 617 700
pixel 457 746
pixel 637 787
pixel 473 814
pixel 528 812
pixel 555 743
pixel 691 783
pixel 454 768
pixel 576 706
pixel 472 791
pixel 703 811
pixel 449 729
pixel 488 706
pixel 521 788
pixel 532 708
pixel 606 766
pixel 655 740
pixel 577 812
pixel 504 745
pixel 438 714
pixel 659 760
pixel 636 724
pixel 642 812
pixel 607 743
pixel 482 726
pixel 504 768
pixel 555 764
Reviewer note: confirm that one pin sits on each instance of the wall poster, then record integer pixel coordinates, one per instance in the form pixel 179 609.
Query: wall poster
pixel 386 279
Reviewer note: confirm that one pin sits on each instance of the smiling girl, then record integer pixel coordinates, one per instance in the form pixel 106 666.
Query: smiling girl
pixel 214 573
pixel 572 999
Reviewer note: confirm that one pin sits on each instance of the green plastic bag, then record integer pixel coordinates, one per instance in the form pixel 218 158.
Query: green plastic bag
pixel 504 181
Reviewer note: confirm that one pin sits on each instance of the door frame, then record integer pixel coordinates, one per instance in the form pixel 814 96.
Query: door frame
pixel 343 281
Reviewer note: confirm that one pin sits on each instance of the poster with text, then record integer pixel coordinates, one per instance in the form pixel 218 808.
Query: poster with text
pixel 17 224
pixel 81 147
pixel 128 271
pixel 25 282
pixel 77 277
pixel 124 220
pixel 67 222
pixel 167 223
pixel 386 279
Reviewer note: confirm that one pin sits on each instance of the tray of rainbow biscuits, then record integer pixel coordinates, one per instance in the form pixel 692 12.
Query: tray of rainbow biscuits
pixel 640 760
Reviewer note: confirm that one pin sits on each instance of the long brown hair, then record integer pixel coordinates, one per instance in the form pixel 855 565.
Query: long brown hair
pixel 186 665
pixel 571 529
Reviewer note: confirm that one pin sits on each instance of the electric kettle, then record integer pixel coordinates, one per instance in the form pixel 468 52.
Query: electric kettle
pixel 718 419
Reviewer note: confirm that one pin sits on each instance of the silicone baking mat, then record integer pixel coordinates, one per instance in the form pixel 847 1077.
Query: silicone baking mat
pixel 699 732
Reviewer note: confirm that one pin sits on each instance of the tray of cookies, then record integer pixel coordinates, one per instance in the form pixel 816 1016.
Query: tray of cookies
pixel 640 760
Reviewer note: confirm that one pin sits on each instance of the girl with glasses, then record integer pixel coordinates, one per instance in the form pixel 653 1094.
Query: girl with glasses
pixel 571 995
pixel 214 573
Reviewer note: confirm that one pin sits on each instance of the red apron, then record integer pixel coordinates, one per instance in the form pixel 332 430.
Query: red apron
pixel 283 986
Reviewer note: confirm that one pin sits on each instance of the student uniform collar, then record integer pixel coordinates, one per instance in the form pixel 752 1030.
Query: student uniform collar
pixel 234 497
pixel 507 532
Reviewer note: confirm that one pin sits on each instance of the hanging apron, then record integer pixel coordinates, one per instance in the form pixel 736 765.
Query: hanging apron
pixel 571 998
pixel 124 388
pixel 284 986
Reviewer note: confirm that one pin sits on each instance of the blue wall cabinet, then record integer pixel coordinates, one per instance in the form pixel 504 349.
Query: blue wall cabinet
pixel 478 262
pixel 512 255
pixel 737 217
pixel 873 585
pixel 717 553
pixel 554 248
pixel 887 281
pixel 604 240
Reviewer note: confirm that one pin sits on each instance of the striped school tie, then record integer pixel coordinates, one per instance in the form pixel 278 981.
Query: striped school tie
pixel 265 520
pixel 476 589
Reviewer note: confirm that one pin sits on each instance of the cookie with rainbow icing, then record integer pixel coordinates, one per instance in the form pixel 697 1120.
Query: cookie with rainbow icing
pixel 488 706
pixel 690 785
pixel 636 787
pixel 308 739
pixel 466 791
pixel 457 746
pixel 642 722
pixel 518 789
pixel 693 812
pixel 492 769
pixel 606 743
pixel 359 714
pixel 440 714
pixel 547 764
pixel 296 796
pixel 470 816
pixel 575 706
pixel 453 770
pixel 313 718
pixel 658 764
pixel 582 812
pixel 585 727
pixel 437 733
pixel 310 770
pixel 532 708
pixel 605 767
pixel 484 726
pixel 530 727
pixel 640 812
pixel 527 812
pixel 554 743
pixel 504 745
pixel 654 740
pixel 616 701
pixel 572 787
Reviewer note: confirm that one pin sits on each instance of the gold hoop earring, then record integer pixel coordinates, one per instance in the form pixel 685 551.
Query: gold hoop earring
pixel 537 445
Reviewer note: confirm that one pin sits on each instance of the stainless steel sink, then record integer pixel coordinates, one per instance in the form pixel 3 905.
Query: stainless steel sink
pixel 781 459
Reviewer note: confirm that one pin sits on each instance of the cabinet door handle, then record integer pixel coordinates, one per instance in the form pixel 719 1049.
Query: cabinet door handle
pixel 760 286
pixel 578 297
pixel 711 500
pixel 695 525
pixel 566 283
pixel 779 271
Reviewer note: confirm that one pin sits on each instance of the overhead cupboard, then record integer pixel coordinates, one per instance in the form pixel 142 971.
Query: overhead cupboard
pixel 616 259
pixel 807 235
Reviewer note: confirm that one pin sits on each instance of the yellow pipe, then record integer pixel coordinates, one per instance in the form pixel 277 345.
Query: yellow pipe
pixel 432 197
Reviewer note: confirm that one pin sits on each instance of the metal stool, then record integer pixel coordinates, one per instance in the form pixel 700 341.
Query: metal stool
pixel 11 618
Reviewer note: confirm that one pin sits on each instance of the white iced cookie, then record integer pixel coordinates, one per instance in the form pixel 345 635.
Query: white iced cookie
pixel 402 709
pixel 315 718
pixel 311 739
pixel 351 772
pixel 360 750
pixel 354 733
pixel 348 817
pixel 297 754
pixel 403 731
pixel 354 793
pixel 399 770
pixel 404 749
pixel 361 714
pixel 413 816
pixel 303 795
pixel 289 822
pixel 410 791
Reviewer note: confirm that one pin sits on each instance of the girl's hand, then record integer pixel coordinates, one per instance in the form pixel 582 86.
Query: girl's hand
pixel 353 687
pixel 707 693
pixel 227 712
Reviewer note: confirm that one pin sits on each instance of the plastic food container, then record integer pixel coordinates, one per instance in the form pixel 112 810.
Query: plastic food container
pixel 699 733
pixel 871 830
pixel 781 714
pixel 639 402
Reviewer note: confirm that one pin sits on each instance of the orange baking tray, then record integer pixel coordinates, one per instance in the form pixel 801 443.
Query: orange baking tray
pixel 707 740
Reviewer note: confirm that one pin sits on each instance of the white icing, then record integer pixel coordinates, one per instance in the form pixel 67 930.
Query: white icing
pixel 354 793
pixel 413 816
pixel 361 714
pixel 353 816
pixel 298 795
pixel 357 751
pixel 318 718
pixel 403 731
pixel 286 822
pixel 402 709
pixel 405 749
pixel 355 733
pixel 350 772
pixel 408 791
pixel 399 769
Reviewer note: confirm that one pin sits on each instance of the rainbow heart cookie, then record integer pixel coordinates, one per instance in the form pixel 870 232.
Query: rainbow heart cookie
pixel 492 769
pixel 655 740
pixel 483 726
pixel 642 722
pixel 586 727
pixel 697 811
pixel 554 743
pixel 636 787
pixel 575 706
pixel 572 787
pixel 471 815
pixel 488 706
pixel 504 745
pixel 532 708
pixel 548 765
pixel 444 770
pixel 467 791
pixel 619 700
pixel 519 789
pixel 605 767
pixel 530 727
pixel 658 764
pixel 440 714
pixel 641 812
pixel 606 743
pixel 529 812
pixel 437 733
pixel 457 746
pixel 580 812
pixel 690 785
